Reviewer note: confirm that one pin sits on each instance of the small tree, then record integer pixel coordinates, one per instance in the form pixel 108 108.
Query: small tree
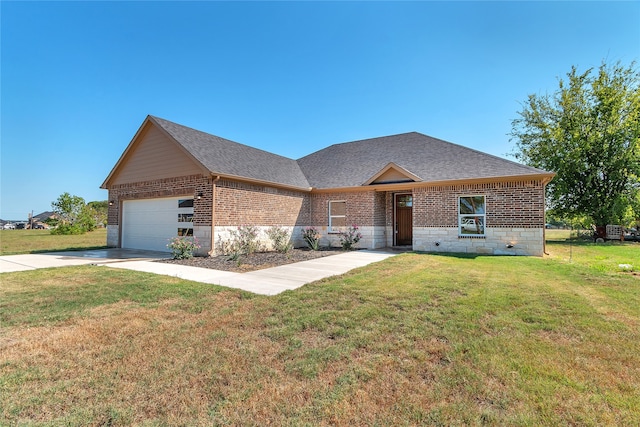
pixel 99 211
pixel 73 215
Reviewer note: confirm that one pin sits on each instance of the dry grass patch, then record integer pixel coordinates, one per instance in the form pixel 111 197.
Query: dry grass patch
pixel 34 241
pixel 414 340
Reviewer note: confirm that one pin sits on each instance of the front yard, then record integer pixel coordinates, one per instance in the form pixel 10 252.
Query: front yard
pixel 34 241
pixel 416 339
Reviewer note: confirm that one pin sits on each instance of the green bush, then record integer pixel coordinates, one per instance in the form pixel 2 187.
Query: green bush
pixel 349 238
pixel 183 247
pixel 243 241
pixel 68 229
pixel 311 237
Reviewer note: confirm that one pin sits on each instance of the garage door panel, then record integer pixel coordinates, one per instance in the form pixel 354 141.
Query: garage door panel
pixel 150 224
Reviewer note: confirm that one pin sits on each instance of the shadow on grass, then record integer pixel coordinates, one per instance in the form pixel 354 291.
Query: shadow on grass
pixel 459 255
pixel 71 249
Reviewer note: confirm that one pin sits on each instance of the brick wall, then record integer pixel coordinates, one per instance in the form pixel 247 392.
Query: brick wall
pixel 363 208
pixel 508 204
pixel 245 204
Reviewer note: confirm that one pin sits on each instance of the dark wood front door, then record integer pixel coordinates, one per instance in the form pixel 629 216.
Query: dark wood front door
pixel 404 219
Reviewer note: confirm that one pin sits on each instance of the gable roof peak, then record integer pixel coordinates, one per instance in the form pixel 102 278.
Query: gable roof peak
pixel 232 159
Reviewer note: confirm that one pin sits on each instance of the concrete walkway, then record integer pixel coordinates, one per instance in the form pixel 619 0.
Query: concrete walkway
pixel 269 281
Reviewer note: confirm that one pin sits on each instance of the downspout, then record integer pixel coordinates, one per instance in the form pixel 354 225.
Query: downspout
pixel 212 252
pixel 544 218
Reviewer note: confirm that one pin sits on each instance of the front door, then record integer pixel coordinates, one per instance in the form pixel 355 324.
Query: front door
pixel 404 219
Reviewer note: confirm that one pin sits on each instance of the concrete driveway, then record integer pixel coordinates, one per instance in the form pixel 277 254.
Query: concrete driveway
pixel 11 263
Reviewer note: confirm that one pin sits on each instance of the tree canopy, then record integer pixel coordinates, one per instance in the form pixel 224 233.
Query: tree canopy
pixel 588 133
pixel 73 215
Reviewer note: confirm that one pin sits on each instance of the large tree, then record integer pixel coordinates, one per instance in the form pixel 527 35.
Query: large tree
pixel 588 132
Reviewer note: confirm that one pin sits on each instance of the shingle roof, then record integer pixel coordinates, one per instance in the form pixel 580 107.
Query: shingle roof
pixel 44 215
pixel 225 157
pixel 349 164
pixel 353 163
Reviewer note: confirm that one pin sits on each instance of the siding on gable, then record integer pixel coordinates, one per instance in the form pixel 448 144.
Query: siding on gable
pixel 155 157
pixel 392 175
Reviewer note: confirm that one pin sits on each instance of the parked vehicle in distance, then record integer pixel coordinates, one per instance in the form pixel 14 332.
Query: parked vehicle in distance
pixel 631 234
pixel 9 226
pixel 469 224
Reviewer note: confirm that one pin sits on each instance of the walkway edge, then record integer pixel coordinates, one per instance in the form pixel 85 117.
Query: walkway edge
pixel 269 281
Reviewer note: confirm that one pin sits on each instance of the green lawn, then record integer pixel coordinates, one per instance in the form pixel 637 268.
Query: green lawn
pixel 417 339
pixel 34 241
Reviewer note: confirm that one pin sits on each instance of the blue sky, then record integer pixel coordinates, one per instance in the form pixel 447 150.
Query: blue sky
pixel 78 78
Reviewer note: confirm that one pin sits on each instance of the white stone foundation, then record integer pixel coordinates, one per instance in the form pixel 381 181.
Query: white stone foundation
pixel 372 237
pixel 523 241
pixel 113 236
pixel 203 234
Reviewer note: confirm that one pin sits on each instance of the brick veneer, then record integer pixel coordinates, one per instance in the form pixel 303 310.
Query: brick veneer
pixel 363 208
pixel 245 204
pixel 510 206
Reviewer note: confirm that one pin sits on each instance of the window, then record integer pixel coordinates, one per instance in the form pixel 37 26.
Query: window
pixel 185 217
pixel 471 215
pixel 185 203
pixel 404 200
pixel 185 232
pixel 337 215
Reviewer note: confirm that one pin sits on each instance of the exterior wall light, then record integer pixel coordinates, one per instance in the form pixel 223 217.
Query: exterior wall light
pixel 111 202
pixel 199 196
pixel 509 245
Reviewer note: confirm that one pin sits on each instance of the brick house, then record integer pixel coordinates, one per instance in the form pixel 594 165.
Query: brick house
pixel 401 190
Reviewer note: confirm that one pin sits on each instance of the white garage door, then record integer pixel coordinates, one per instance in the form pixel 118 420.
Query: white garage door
pixel 150 224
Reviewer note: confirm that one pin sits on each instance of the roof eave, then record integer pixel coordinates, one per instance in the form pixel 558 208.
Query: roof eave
pixel 389 166
pixel 544 177
pixel 260 182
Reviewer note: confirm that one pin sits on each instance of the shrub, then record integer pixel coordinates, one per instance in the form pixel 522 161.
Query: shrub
pixel 68 229
pixel 280 238
pixel 244 241
pixel 311 237
pixel 183 247
pixel 349 238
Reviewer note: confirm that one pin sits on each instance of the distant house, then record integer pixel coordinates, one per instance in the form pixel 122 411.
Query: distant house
pixel 407 190
pixel 44 216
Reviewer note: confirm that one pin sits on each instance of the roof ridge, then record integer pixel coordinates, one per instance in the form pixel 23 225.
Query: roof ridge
pixel 484 153
pixel 220 137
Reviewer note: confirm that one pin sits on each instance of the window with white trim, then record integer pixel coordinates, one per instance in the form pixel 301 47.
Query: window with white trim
pixel 471 215
pixel 337 215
